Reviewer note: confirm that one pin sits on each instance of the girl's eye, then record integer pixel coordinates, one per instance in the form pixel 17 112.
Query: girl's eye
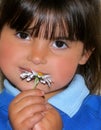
pixel 60 44
pixel 23 35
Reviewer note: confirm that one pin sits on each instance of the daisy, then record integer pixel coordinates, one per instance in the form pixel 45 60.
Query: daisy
pixel 37 76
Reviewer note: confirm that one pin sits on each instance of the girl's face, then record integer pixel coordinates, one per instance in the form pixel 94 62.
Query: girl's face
pixel 19 51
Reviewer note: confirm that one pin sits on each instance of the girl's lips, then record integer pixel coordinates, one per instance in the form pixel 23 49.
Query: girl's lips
pixel 22 70
pixel 25 69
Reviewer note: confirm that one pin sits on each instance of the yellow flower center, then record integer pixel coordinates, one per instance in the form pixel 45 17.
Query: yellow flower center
pixel 40 74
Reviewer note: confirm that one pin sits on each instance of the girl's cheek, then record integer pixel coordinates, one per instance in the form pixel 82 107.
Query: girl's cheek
pixel 64 71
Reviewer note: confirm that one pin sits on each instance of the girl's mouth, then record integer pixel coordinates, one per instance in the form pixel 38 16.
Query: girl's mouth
pixel 37 77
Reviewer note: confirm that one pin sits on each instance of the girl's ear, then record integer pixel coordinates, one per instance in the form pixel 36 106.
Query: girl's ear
pixel 85 56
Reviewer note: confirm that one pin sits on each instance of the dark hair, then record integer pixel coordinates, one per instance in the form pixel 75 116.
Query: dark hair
pixel 75 19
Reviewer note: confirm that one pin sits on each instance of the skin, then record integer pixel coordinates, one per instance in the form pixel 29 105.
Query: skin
pixel 44 56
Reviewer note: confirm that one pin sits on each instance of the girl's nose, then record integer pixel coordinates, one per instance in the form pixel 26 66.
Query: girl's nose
pixel 38 56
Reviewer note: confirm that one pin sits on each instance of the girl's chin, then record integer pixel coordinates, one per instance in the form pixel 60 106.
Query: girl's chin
pixel 43 87
pixel 30 85
pixel 25 85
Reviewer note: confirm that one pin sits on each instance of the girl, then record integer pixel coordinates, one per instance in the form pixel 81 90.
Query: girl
pixel 56 38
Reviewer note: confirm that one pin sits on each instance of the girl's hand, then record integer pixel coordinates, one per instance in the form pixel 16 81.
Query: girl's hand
pixel 26 109
pixel 51 121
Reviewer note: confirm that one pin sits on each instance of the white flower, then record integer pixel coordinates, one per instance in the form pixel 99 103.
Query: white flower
pixel 28 75
pixel 38 77
pixel 46 79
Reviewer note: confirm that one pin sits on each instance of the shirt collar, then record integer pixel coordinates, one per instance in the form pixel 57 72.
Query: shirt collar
pixel 10 88
pixel 68 101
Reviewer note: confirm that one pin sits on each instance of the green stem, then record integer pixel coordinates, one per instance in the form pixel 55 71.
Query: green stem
pixel 36 81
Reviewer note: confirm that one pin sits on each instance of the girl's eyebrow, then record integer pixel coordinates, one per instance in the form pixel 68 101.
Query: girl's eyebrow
pixel 61 38
pixel 29 29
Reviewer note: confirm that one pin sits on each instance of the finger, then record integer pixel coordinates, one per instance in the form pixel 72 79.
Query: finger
pixel 26 102
pixel 35 92
pixel 28 112
pixel 30 122
pixel 32 110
